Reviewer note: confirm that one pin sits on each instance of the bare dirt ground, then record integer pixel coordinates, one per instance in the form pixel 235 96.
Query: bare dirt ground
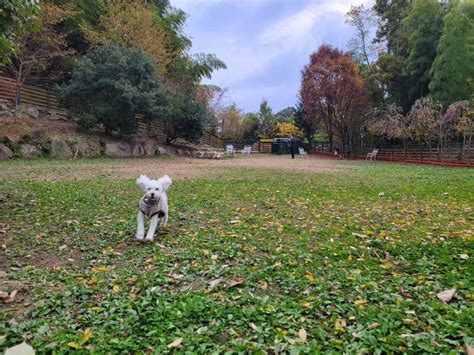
pixel 180 168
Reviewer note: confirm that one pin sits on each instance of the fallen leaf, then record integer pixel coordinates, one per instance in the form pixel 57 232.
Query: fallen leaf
pixel 20 349
pixel 176 276
pixel 92 281
pixel 381 194
pixel 360 302
pixel 74 345
pixel 303 335
pixel 236 281
pixel 116 288
pixel 175 343
pixel 214 282
pixel 446 295
pixel 52 344
pixel 8 298
pixel 360 235
pixel 253 326
pixel 464 256
pixel 374 325
pixel 86 335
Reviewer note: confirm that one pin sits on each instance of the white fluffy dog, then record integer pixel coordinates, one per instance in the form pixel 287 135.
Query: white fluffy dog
pixel 153 204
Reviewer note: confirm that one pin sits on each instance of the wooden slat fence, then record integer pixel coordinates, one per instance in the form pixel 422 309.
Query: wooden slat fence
pixel 43 98
pixel 212 140
pixel 46 100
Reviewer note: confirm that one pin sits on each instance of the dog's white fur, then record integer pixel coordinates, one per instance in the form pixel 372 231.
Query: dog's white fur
pixel 153 204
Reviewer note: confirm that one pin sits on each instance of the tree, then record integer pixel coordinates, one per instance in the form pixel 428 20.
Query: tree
pixel 250 125
pixel 185 118
pixel 110 86
pixel 390 66
pixel 16 16
pixel 308 127
pixel 422 27
pixel 425 113
pixel 362 20
pixel 266 119
pixel 333 92
pixel 288 129
pixel 134 24
pixel 37 44
pixel 452 73
pixel 464 125
pixel 231 120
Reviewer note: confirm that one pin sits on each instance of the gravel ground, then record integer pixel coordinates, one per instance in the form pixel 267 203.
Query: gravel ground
pixel 177 168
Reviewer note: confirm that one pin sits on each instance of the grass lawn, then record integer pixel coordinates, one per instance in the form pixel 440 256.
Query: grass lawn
pixel 256 260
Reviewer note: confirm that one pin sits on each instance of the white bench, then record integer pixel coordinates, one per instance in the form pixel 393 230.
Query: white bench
pixel 372 155
pixel 302 152
pixel 247 150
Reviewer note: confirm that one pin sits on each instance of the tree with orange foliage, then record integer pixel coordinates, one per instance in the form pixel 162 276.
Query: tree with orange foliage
pixel 38 43
pixel 334 95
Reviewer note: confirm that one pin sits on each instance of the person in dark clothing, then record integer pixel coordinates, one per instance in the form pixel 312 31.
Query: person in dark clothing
pixel 292 144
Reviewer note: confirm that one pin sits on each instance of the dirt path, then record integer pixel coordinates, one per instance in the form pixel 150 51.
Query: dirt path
pixel 181 168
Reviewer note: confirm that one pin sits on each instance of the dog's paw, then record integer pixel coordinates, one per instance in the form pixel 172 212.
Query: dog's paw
pixel 139 236
pixel 149 239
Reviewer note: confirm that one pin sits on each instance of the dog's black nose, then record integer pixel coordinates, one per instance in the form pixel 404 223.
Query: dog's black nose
pixel 152 194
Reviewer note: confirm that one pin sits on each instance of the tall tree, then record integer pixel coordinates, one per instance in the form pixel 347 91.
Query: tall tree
pixel 452 74
pixel 423 28
pixel 390 66
pixel 267 120
pixel 302 121
pixel 333 91
pixel 231 118
pixel 38 44
pixel 362 20
pixel 250 125
pixel 16 16
pixel 134 25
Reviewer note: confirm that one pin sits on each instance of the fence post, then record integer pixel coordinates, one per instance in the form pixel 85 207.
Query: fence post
pixel 421 153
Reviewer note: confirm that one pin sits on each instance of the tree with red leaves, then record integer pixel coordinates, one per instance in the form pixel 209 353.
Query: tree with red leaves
pixel 334 95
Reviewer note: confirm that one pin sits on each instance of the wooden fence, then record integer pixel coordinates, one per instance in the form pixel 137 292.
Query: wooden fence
pixel 43 98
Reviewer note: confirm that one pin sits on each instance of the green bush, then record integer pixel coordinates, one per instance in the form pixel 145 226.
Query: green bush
pixel 110 86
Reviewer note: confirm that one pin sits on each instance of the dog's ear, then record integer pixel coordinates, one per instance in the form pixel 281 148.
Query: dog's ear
pixel 165 182
pixel 143 181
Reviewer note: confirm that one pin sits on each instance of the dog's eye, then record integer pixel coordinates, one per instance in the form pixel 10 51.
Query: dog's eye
pixel 149 188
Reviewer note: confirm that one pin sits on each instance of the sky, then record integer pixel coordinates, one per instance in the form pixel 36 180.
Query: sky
pixel 264 43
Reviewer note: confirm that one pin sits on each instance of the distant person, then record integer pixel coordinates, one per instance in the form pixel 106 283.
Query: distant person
pixel 291 144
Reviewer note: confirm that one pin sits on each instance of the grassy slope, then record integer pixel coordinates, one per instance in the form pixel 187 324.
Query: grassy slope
pixel 288 235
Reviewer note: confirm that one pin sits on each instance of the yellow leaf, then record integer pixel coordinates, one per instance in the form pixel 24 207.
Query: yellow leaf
pixel 340 325
pixel 305 304
pixel 349 257
pixel 74 345
pixel 116 288
pixel 86 335
pixel 374 325
pixel 96 309
pixel 360 302
pixel 92 281
pixel 264 285
pixel 309 276
pixel 98 269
